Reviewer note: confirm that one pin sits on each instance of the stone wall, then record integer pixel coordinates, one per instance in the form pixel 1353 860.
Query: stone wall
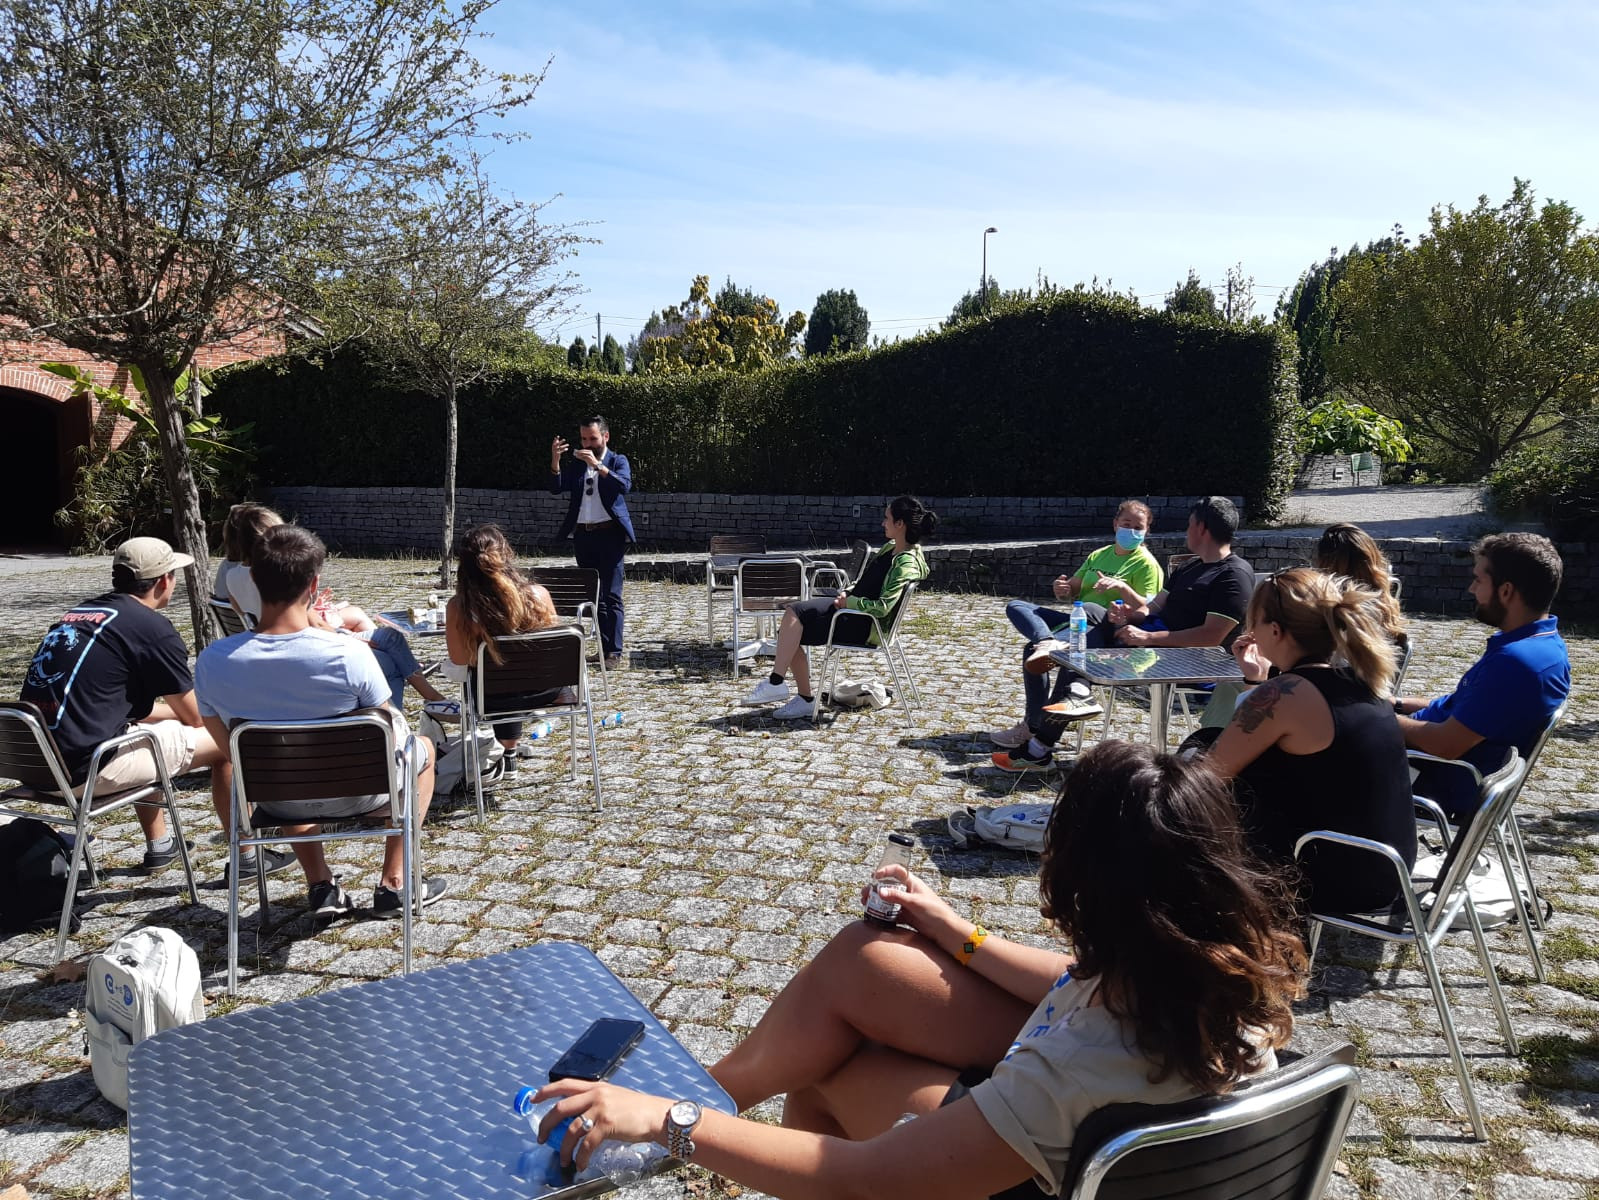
pixel 1334 471
pixel 409 518
pixel 1434 572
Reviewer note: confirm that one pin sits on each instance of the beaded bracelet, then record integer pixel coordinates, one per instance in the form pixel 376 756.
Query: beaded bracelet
pixel 969 947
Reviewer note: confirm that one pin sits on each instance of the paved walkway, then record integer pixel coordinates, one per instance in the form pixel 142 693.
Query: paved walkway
pixel 1441 512
pixel 733 846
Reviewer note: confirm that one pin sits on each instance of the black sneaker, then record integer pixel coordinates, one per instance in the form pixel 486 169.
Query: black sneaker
pixel 386 901
pixel 156 861
pixel 328 900
pixel 276 860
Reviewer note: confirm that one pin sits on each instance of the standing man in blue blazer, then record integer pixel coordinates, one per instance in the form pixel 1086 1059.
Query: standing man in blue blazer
pixel 596 480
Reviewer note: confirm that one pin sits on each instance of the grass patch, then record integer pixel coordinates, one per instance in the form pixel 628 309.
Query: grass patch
pixel 1551 1059
pixel 1567 945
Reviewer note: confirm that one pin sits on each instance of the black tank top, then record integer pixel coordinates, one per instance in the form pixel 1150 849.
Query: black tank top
pixel 1360 784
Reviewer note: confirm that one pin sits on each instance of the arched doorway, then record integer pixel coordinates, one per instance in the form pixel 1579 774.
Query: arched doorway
pixel 44 434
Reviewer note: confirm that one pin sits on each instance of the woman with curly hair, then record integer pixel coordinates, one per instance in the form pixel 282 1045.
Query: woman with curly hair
pixel 1183 970
pixel 492 598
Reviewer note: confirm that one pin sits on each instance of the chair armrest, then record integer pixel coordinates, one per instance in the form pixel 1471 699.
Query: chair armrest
pixel 838 573
pixel 1419 756
pixel 139 734
pixel 832 623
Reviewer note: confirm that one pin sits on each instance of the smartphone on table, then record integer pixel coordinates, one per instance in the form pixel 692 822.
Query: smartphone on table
pixel 600 1050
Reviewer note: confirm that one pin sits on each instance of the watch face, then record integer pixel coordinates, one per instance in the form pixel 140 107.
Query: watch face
pixel 685 1114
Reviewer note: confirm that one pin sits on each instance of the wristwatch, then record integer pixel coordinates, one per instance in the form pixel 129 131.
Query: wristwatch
pixel 681 1120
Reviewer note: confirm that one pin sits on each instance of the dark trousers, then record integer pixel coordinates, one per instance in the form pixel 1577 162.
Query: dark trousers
pixel 602 549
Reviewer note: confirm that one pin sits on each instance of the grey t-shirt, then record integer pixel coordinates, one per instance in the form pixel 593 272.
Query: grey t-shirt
pixel 1068 1060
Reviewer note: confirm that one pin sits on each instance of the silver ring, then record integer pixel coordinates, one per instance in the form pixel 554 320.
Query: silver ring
pixel 586 1122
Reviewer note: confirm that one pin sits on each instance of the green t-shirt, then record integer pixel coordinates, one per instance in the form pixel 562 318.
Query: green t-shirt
pixel 1138 568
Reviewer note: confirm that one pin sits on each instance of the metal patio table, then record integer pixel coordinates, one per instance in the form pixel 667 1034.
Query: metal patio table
pixel 1160 667
pixel 401 620
pixel 401 1087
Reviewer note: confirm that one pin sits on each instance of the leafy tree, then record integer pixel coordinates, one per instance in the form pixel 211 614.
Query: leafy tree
pixel 1004 301
pixel 838 323
pixel 612 360
pixel 460 275
pixel 1308 310
pixel 1483 336
pixel 1193 299
pixel 1238 302
pixel 169 172
pixel 577 354
pixel 698 335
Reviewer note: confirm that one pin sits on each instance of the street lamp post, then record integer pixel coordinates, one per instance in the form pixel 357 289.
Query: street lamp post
pixel 984 281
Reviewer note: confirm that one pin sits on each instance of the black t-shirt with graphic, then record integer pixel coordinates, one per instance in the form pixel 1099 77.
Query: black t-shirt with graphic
pixel 1198 588
pixel 102 665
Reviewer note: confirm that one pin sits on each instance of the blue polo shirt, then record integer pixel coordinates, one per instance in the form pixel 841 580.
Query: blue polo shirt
pixel 1509 693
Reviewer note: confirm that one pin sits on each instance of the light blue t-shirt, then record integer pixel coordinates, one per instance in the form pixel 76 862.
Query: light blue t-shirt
pixel 302 676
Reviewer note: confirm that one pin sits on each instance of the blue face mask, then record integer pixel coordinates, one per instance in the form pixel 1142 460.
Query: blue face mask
pixel 1129 539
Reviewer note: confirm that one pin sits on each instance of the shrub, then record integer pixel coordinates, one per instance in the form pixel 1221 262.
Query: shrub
pixel 1554 481
pixel 1071 395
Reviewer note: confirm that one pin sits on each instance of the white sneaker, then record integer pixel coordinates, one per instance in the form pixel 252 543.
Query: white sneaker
pixel 797 709
pixel 1039 661
pixel 766 692
pixel 1013 737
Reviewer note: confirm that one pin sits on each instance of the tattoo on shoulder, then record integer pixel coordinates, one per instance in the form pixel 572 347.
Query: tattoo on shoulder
pixel 1260 705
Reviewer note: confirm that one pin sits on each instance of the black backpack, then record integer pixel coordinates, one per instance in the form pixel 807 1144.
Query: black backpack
pixel 35 861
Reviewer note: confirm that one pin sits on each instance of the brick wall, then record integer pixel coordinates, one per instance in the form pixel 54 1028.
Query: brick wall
pixel 1334 471
pixel 410 518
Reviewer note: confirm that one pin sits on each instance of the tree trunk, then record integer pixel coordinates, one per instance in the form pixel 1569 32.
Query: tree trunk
pixel 449 484
pixel 188 522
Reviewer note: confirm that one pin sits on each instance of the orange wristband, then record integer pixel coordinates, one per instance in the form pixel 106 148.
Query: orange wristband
pixel 969 947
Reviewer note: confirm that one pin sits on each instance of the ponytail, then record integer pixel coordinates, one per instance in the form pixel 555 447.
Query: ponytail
pixel 1330 615
pixel 920 521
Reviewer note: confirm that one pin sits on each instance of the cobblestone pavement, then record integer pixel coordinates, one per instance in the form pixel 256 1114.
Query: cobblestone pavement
pixel 733 846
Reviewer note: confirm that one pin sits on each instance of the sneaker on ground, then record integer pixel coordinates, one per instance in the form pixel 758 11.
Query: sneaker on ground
pixel 1018 760
pixel 1074 709
pixel 766 692
pixel 328 900
pixel 387 903
pixel 276 860
pixel 1039 662
pixel 613 662
pixel 160 860
pixel 508 765
pixel 797 708
pixel 1012 737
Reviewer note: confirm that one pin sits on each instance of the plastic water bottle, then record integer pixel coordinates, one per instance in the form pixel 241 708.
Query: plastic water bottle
pixel 620 1162
pixel 1079 628
pixel 614 721
pixel 537 730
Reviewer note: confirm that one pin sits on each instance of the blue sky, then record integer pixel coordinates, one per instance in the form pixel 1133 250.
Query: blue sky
pixel 801 146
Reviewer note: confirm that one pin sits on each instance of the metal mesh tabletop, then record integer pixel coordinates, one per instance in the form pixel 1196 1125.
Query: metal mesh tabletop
pixel 1149 664
pixel 401 619
pixel 401 1087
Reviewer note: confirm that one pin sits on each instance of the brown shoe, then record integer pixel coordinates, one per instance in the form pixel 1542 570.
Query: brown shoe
pixel 613 661
pixel 1039 662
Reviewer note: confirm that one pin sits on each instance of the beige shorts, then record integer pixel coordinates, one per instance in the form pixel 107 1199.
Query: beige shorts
pixel 135 767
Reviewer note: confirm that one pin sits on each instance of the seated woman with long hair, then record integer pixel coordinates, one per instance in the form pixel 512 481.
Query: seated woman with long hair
pixel 879 592
pixel 1317 746
pixel 1345 549
pixel 1180 984
pixel 492 598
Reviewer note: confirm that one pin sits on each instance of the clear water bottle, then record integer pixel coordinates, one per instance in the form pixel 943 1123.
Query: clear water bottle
pixel 614 721
pixel 879 907
pixel 620 1162
pixel 537 730
pixel 1078 643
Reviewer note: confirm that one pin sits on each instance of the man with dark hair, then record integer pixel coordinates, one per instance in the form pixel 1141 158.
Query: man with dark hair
pixel 287 669
pixel 596 482
pixel 113 661
pixel 1508 695
pixel 1203 604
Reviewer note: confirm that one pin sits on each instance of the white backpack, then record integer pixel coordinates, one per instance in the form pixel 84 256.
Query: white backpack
pixel 1011 826
pixel 144 982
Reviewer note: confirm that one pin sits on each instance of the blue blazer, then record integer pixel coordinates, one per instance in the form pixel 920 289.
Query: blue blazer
pixel 613 489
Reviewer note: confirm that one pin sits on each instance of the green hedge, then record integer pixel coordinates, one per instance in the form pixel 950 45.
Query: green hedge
pixel 1076 395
